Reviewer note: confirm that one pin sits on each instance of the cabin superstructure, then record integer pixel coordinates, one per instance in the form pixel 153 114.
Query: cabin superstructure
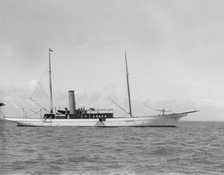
pixel 79 113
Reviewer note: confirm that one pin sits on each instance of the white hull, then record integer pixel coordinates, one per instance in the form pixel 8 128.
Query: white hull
pixel 153 121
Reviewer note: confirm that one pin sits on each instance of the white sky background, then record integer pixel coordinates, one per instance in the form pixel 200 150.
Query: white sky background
pixel 175 53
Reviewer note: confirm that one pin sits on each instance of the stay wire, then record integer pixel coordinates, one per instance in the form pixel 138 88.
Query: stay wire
pixel 158 86
pixel 39 82
pixel 146 89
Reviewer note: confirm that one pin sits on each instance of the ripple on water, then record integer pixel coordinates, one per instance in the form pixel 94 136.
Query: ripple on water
pixel 191 148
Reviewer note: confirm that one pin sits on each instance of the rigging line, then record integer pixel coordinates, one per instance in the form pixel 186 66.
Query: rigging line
pixel 2 114
pixel 147 106
pixel 138 89
pixel 45 71
pixel 141 74
pixel 119 88
pixel 145 88
pixel 158 87
pixel 160 110
pixel 35 113
pixel 39 80
pixel 162 88
pixel 58 84
pixel 38 104
pixel 118 82
pixel 149 84
pixel 118 106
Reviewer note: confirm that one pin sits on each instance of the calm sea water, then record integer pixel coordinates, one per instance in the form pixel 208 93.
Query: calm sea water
pixel 190 148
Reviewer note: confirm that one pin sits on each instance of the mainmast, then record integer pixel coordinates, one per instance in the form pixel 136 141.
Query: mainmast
pixel 127 76
pixel 50 81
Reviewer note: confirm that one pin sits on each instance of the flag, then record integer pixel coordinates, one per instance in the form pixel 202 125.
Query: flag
pixel 50 50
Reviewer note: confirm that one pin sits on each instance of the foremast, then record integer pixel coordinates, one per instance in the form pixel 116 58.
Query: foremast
pixel 128 87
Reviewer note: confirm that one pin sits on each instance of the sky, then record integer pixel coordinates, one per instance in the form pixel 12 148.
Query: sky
pixel 175 51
